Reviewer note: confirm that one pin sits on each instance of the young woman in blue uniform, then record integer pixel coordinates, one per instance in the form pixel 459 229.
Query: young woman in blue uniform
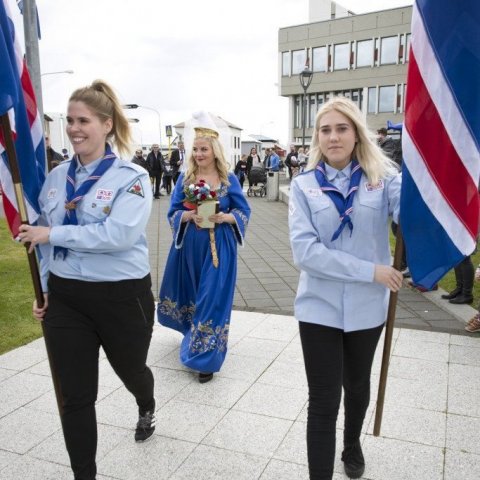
pixel 95 270
pixel 338 216
pixel 196 294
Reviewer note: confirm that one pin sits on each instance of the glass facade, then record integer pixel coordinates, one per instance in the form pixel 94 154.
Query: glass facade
pixel 386 99
pixel 285 64
pixel 319 57
pixel 365 53
pixel 299 58
pixel 389 50
pixel 341 58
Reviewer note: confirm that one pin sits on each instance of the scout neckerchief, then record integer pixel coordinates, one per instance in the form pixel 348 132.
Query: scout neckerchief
pixel 343 204
pixel 75 196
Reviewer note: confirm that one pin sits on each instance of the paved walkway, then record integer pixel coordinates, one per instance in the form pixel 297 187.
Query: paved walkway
pixel 249 421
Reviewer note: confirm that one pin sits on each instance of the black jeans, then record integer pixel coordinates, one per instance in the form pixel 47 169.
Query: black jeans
pixel 81 317
pixel 334 358
pixel 157 178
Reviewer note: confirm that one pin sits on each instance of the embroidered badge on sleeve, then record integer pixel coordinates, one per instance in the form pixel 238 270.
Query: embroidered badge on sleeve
pixel 136 188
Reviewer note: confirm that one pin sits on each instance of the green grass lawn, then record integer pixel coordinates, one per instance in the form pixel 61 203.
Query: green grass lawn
pixel 17 325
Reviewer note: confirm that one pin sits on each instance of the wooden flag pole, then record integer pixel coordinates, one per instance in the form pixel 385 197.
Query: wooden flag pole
pixel 392 306
pixel 32 259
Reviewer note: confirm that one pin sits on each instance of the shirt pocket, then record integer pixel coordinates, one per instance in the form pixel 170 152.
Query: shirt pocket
pixel 368 216
pixel 94 212
pixel 324 214
pixel 54 212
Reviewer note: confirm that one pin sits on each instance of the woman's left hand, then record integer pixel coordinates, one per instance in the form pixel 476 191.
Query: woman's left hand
pixel 221 217
pixel 34 235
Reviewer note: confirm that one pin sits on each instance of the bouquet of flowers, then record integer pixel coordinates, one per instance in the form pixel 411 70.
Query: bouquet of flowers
pixel 198 192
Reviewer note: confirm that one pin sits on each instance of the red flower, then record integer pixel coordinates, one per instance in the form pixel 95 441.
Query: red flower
pixel 203 197
pixel 213 194
pixel 195 192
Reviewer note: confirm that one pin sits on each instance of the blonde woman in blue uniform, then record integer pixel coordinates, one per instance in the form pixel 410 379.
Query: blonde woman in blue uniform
pixel 338 217
pixel 95 270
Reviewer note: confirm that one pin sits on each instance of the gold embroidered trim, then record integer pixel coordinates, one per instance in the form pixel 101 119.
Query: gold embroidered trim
pixel 213 247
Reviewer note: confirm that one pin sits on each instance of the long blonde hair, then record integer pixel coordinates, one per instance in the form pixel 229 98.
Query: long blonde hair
pixel 370 156
pixel 220 162
pixel 102 100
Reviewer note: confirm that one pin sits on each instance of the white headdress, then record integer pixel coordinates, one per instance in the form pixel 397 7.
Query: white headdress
pixel 206 124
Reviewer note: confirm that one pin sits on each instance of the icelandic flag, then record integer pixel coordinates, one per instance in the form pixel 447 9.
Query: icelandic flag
pixel 441 138
pixel 17 98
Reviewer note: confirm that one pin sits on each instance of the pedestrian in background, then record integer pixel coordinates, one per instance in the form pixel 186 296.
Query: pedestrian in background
pixel 139 159
pixel 167 174
pixel 241 170
pixel 95 270
pixel 345 277
pixel 177 159
pixel 155 162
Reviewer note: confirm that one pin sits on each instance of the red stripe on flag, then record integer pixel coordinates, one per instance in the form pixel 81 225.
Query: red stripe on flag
pixel 11 214
pixel 437 151
pixel 28 95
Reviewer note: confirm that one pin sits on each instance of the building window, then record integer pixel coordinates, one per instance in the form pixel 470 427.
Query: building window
pixel 312 111
pixel 297 111
pixel 365 53
pixel 320 100
pixel 341 60
pixel 286 64
pixel 320 59
pixel 389 50
pixel 299 58
pixel 372 100
pixel 407 56
pixel 386 99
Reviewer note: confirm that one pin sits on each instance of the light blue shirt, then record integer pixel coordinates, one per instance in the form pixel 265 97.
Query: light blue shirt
pixel 109 243
pixel 336 286
pixel 274 161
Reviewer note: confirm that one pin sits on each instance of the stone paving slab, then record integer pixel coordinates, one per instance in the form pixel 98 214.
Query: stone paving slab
pixel 249 422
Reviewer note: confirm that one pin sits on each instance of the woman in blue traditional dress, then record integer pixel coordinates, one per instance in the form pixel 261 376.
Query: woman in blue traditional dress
pixel 196 294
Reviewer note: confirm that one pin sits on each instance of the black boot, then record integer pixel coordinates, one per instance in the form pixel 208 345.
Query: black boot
pixel 468 273
pixel 453 293
pixel 458 284
pixel 353 461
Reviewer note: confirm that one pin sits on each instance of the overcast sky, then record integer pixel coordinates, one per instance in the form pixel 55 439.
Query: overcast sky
pixel 176 57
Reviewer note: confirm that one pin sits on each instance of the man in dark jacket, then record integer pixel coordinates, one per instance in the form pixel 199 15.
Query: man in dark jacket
pixel 139 159
pixel 53 157
pixel 155 162
pixel 288 160
pixel 176 161
pixel 392 148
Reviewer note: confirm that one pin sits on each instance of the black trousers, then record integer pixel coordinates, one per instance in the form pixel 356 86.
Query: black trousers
pixel 167 183
pixel 157 177
pixel 81 317
pixel 334 359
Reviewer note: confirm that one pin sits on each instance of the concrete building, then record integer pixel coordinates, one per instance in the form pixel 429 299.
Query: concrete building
pixel 363 57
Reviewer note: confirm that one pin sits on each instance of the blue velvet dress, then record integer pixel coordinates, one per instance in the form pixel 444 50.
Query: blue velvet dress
pixel 195 296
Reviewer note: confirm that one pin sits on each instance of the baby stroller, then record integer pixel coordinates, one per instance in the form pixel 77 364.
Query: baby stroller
pixel 257 182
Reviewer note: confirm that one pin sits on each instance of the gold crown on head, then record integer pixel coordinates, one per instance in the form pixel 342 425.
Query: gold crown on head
pixel 205 132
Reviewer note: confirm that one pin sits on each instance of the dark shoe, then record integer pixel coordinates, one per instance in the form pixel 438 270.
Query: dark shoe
pixel 145 425
pixel 157 196
pixel 461 299
pixel 353 461
pixel 205 377
pixel 406 273
pixel 452 294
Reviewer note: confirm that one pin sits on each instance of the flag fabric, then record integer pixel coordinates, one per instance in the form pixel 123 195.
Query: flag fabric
pixel 441 138
pixel 17 98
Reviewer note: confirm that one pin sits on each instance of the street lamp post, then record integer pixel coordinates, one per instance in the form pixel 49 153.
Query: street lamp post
pixel 56 73
pixel 132 106
pixel 306 76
